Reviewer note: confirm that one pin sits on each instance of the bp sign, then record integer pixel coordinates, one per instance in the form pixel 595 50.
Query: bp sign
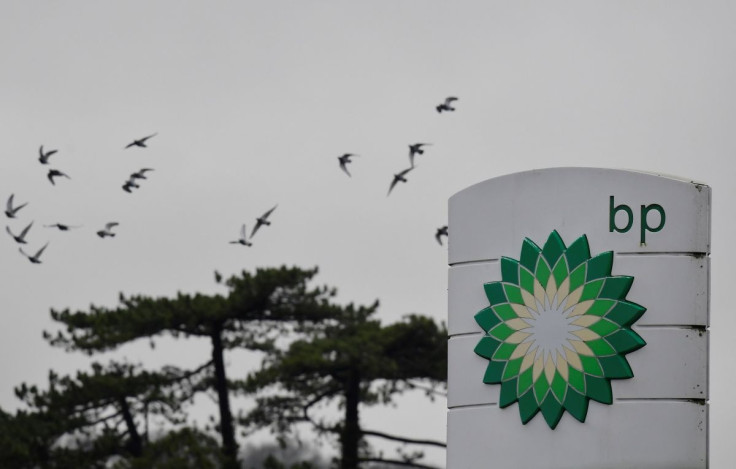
pixel 581 295
pixel 557 329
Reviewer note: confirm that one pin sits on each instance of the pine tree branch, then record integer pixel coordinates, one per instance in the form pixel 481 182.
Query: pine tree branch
pixel 92 423
pixel 191 373
pixel 404 440
pixel 425 388
pixel 329 391
pixel 398 462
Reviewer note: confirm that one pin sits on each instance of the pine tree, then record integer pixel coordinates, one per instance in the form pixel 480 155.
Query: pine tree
pixel 355 361
pixel 258 309
pixel 103 415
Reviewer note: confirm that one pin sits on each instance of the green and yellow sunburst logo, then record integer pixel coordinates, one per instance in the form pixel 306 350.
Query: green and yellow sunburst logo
pixel 557 329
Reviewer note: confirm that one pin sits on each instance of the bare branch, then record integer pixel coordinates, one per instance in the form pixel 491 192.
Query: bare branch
pixel 404 440
pixel 398 462
pixel 425 388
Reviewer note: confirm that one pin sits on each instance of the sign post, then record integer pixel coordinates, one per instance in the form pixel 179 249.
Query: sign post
pixel 578 321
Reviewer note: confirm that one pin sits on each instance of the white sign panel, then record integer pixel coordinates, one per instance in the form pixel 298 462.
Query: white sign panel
pixel 578 315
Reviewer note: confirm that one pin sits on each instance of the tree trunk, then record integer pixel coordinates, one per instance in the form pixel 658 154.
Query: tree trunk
pixel 135 445
pixel 227 431
pixel 351 431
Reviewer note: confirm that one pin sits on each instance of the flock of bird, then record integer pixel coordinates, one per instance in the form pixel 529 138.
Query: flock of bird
pixel 260 221
pixel 414 149
pixel 133 182
pixel 11 209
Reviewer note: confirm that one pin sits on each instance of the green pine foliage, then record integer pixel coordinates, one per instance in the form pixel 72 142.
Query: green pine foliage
pixel 123 416
pixel 354 361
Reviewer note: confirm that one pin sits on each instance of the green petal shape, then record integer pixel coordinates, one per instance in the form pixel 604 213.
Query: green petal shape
pixel 625 341
pixel 494 372
pixel 616 367
pixel 487 319
pixel 578 252
pixel 553 248
pixel 508 393
pixel 551 410
pixel 504 351
pixel 530 252
pixel 560 271
pixel 510 270
pixel 525 382
pixel 487 347
pixel 543 271
pixel 616 288
pixel 577 276
pixel 576 380
pixel 494 292
pixel 600 266
pixel 526 280
pixel 625 313
pixel 505 312
pixel 576 404
pixel 528 406
pixel 513 293
pixel 598 389
pixel 564 289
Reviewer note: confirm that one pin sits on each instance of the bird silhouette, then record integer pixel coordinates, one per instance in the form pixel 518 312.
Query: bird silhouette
pixel 130 184
pixel 344 160
pixel 447 105
pixel 21 238
pixel 44 157
pixel 441 231
pixel 399 177
pixel 262 220
pixel 141 142
pixel 56 173
pixel 10 211
pixel 36 258
pixel 416 149
pixel 62 227
pixel 243 238
pixel 108 230
pixel 140 174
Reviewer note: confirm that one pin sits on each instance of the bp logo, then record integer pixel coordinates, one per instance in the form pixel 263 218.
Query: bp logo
pixel 557 329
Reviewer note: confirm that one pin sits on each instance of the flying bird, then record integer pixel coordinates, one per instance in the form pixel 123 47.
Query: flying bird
pixel 21 238
pixel 36 258
pixel 54 173
pixel 10 211
pixel 108 230
pixel 442 231
pixel 447 105
pixel 243 238
pixel 416 149
pixel 62 227
pixel 140 174
pixel 44 157
pixel 130 184
pixel 344 160
pixel 262 220
pixel 399 177
pixel 141 142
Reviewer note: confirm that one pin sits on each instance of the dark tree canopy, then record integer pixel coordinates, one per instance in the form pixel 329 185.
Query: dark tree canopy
pixel 356 361
pixel 258 308
pixel 316 354
pixel 26 439
pixel 256 304
pixel 94 418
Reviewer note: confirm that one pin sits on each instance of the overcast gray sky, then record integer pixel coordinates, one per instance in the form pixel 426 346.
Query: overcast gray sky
pixel 253 102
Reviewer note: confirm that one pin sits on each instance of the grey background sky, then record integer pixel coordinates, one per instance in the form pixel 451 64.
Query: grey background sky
pixel 253 102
